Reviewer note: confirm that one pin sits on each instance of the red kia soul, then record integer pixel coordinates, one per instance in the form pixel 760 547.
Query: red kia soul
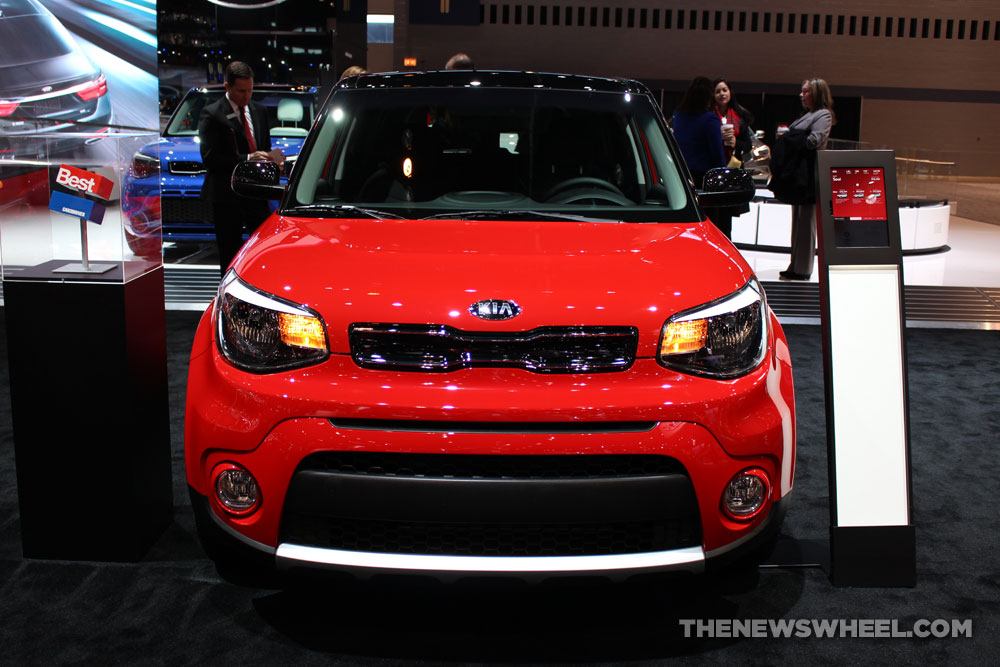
pixel 489 330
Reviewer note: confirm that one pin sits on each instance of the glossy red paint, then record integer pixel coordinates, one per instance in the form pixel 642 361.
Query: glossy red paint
pixel 274 461
pixel 431 272
pixel 402 465
pixel 23 187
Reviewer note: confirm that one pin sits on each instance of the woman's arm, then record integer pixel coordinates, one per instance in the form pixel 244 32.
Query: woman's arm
pixel 743 141
pixel 716 156
pixel 819 128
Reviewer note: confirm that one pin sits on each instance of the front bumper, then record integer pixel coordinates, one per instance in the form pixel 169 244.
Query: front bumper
pixel 335 516
pixel 663 516
pixel 296 558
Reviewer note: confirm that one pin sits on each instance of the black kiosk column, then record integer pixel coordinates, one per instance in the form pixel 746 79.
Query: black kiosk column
pixel 88 373
pixel 861 286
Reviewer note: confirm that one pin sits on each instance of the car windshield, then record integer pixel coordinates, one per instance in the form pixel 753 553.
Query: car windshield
pixel 464 152
pixel 289 114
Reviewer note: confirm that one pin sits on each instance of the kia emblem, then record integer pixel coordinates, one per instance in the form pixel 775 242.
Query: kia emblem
pixel 495 309
pixel 47 89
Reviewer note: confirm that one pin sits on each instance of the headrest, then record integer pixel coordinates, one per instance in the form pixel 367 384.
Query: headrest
pixel 289 110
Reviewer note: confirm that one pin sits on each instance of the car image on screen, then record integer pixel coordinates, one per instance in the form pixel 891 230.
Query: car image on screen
pixel 47 84
pixel 489 332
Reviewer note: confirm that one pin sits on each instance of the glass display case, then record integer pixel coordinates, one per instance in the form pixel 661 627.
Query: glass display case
pixel 80 239
pixel 82 210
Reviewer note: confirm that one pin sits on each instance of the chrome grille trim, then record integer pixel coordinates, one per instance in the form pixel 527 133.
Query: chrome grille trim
pixel 440 348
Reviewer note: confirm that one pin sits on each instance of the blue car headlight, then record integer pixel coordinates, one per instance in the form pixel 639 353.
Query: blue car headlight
pixel 144 166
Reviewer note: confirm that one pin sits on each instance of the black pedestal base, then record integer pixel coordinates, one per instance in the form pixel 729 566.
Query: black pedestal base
pixel 88 378
pixel 873 556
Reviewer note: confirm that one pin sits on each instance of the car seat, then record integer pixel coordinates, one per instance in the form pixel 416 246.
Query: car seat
pixel 289 111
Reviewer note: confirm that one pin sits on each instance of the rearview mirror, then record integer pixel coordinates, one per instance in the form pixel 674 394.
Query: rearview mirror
pixel 260 180
pixel 723 188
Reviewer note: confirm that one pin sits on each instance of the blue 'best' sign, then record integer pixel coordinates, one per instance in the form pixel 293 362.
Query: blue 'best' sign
pixel 78 207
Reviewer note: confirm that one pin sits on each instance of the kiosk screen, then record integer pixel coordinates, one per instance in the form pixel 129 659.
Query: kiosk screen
pixel 858 205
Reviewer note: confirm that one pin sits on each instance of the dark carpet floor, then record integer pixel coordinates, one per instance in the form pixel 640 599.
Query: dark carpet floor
pixel 173 608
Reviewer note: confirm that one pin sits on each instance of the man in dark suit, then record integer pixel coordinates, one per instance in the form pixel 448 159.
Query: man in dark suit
pixel 232 130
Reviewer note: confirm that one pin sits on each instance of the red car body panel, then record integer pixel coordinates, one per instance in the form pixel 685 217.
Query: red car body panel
pixel 270 422
pixel 430 271
pixel 431 221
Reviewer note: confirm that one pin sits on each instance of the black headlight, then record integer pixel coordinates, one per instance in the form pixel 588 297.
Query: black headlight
pixel 726 338
pixel 144 166
pixel 263 333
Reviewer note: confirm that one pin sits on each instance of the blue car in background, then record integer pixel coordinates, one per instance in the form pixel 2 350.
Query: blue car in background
pixel 174 161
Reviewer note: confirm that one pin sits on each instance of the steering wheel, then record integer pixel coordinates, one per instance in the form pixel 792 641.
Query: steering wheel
pixel 580 186
pixel 379 177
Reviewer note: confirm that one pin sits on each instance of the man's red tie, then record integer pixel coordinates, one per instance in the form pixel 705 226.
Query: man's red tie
pixel 246 130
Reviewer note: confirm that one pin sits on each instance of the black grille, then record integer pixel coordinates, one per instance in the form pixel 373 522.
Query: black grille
pixel 489 466
pixel 185 209
pixel 431 426
pixel 491 505
pixel 186 167
pixel 479 540
pixel 440 348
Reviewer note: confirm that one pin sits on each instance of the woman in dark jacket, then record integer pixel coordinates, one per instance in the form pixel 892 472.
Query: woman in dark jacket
pixel 698 131
pixel 699 135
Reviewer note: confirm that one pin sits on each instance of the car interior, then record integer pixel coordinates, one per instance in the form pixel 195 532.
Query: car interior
pixel 555 155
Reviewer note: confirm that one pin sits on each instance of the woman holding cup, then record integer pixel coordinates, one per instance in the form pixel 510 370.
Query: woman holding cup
pixel 735 121
pixel 735 128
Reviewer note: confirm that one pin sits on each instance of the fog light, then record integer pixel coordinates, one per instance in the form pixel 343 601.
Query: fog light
pixel 236 489
pixel 746 494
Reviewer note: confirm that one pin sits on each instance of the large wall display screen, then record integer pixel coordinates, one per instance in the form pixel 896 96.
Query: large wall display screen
pixel 860 217
pixel 79 69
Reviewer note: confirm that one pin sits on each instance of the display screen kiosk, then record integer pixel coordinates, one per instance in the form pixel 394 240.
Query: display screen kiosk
pixel 861 286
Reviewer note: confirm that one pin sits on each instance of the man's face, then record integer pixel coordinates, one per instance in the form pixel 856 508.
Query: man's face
pixel 240 91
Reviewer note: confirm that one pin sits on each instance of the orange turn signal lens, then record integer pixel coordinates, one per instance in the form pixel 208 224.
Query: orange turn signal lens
pixel 302 331
pixel 683 337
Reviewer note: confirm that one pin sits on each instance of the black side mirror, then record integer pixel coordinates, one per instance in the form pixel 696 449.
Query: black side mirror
pixel 260 180
pixel 725 187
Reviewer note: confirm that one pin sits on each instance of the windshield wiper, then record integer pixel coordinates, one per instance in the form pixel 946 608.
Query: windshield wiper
pixel 308 209
pixel 518 214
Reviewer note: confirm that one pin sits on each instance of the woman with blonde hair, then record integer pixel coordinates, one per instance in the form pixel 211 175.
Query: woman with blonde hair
pixel 814 128
pixel 353 70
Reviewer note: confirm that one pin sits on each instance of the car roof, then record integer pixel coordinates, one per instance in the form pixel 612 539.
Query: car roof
pixel 492 79
pixel 257 87
pixel 14 8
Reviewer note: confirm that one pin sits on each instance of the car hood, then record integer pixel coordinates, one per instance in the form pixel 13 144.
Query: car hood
pixel 432 271
pixel 174 149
